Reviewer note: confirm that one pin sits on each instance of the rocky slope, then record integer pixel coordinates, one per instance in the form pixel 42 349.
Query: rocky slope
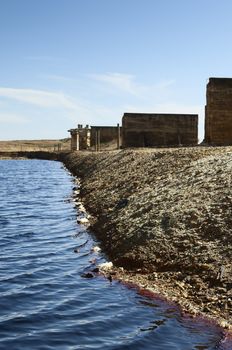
pixel 165 216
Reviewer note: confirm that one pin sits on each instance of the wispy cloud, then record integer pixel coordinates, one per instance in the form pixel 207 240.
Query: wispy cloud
pixel 119 81
pixel 39 58
pixel 59 78
pixel 127 83
pixel 92 107
pixel 39 97
pixel 75 110
pixel 164 108
pixel 144 98
pixel 12 118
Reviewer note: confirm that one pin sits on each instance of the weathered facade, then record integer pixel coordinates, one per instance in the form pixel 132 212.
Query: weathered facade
pixel 218 112
pixel 150 130
pixel 105 134
pixel 85 137
pixel 80 138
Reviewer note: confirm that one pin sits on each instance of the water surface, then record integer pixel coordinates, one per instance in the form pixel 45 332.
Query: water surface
pixel 45 303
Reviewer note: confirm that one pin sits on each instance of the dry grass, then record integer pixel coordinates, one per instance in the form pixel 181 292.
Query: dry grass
pixel 34 145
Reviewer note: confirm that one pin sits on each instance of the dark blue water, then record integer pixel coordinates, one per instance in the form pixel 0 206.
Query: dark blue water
pixel 45 303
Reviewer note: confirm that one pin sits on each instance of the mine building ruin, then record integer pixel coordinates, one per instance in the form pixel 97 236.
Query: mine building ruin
pixel 80 137
pixel 218 112
pixel 105 134
pixel 151 130
pixel 83 138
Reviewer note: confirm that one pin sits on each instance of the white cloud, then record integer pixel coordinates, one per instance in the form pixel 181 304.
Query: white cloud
pixel 39 97
pixel 59 78
pixel 165 108
pixel 12 118
pixel 154 98
pixel 127 83
pixel 120 81
pixel 128 95
pixel 39 58
pixel 77 111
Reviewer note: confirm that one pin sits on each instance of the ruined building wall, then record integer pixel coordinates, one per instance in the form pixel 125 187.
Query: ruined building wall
pixel 80 138
pixel 218 112
pixel 107 134
pixel 149 130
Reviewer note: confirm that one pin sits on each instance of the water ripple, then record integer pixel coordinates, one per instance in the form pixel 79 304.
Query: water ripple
pixel 46 304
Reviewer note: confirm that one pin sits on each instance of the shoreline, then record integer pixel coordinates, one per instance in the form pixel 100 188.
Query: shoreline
pixel 163 217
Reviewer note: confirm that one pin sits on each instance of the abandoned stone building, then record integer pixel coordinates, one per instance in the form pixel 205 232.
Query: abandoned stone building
pixel 105 134
pixel 86 137
pixel 150 130
pixel 218 112
pixel 80 137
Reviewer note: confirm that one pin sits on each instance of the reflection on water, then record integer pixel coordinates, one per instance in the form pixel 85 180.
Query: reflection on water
pixel 45 303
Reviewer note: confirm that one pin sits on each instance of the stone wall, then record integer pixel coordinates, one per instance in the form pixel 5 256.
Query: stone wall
pixel 80 138
pixel 218 112
pixel 149 130
pixel 107 134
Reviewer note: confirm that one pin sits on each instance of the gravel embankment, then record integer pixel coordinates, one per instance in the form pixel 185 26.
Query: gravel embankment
pixel 165 216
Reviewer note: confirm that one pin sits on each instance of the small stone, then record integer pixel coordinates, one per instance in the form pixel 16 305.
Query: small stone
pixel 109 277
pixel 87 275
pixel 96 249
pixel 96 270
pixel 82 221
pixel 106 266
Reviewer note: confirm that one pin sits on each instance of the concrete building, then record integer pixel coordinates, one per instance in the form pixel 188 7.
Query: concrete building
pixel 95 137
pixel 218 112
pixel 80 138
pixel 105 134
pixel 149 130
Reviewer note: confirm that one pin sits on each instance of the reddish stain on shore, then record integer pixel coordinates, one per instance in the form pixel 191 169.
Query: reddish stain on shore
pixel 186 318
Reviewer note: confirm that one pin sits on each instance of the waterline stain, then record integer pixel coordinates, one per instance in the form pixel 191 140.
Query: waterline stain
pixel 46 303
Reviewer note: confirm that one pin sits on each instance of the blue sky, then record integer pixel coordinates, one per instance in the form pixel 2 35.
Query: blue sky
pixel 68 62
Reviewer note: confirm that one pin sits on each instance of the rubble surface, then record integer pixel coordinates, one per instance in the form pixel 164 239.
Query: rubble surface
pixel 165 216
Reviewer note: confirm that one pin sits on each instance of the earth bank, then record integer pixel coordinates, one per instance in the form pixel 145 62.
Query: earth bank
pixel 165 216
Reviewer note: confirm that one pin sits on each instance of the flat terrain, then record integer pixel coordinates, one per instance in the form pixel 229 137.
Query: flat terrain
pixel 34 145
